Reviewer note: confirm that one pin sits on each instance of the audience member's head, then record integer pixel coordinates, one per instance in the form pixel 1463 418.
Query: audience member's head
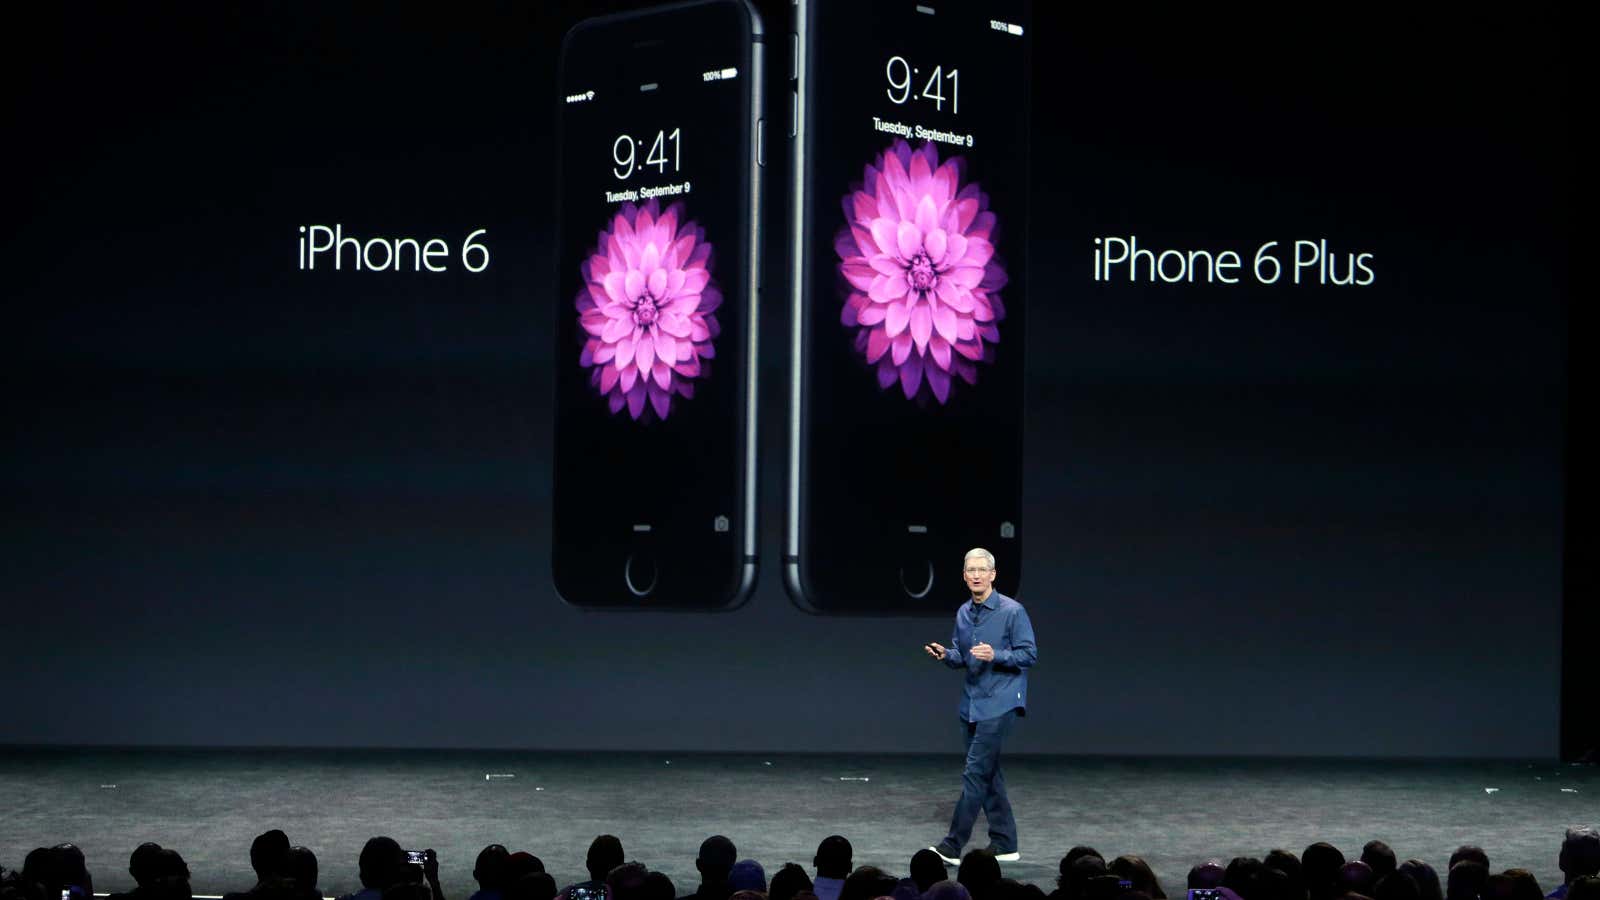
pixel 927 869
pixel 1205 875
pixel 867 882
pixel 904 889
pixel 38 868
pixel 788 881
pixel 1075 877
pixel 1378 855
pixel 716 859
pixel 171 887
pixel 1135 870
pixel 382 863
pixel 947 890
pixel 1580 853
pixel 747 895
pixel 1426 878
pixel 1138 875
pixel 1289 864
pixel 141 864
pixel 747 875
pixel 269 854
pixel 301 868
pixel 979 871
pixel 1239 874
pixel 1523 885
pixel 1077 851
pixel 1497 887
pixel 494 861
pixel 626 881
pixel 1319 866
pixel 1396 885
pixel 1106 887
pixel 1585 888
pixel 74 869
pixel 1355 877
pixel 58 868
pixel 834 857
pixel 522 863
pixel 1466 880
pixel 657 886
pixel 169 863
pixel 1471 852
pixel 1267 883
pixel 605 854
pixel 530 886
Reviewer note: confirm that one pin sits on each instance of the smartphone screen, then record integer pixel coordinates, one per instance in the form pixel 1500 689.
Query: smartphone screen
pixel 654 457
pixel 910 279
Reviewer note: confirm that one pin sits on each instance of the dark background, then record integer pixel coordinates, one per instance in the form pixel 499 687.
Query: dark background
pixel 244 504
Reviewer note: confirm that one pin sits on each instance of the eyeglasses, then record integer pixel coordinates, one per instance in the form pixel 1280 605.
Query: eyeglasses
pixel 977 570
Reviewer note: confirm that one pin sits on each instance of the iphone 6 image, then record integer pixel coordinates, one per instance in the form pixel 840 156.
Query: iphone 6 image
pixel 655 308
pixel 909 280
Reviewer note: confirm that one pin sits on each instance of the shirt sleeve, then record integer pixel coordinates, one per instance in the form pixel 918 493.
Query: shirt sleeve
pixel 1023 652
pixel 952 656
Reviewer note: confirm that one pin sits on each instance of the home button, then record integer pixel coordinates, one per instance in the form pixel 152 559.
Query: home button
pixel 916 577
pixel 639 573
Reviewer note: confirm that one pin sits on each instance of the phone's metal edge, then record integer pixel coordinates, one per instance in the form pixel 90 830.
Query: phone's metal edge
pixel 555 279
pixel 1027 293
pixel 750 567
pixel 799 202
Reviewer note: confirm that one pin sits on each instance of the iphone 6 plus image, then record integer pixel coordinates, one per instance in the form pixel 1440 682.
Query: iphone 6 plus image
pixel 909 280
pixel 654 493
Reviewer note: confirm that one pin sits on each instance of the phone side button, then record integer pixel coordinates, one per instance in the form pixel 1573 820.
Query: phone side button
pixel 761 142
pixel 794 112
pixel 639 573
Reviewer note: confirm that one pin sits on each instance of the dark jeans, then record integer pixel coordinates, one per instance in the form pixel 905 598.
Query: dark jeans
pixel 983 786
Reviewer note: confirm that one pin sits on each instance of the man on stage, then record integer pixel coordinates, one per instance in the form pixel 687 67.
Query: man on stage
pixel 993 641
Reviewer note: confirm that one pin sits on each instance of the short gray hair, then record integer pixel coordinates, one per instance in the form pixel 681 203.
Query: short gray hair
pixel 978 551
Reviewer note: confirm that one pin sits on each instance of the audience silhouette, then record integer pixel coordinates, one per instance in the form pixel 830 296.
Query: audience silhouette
pixel 388 872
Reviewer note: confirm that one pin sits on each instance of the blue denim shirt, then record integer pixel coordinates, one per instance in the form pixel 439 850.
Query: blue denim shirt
pixel 993 688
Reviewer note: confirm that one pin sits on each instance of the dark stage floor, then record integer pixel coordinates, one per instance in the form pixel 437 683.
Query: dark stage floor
pixel 1174 812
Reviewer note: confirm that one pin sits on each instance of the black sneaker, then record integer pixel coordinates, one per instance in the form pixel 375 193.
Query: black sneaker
pixel 948 852
pixel 1004 855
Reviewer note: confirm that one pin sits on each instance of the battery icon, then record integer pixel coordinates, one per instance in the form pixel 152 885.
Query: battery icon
pixel 1013 29
pixel 729 73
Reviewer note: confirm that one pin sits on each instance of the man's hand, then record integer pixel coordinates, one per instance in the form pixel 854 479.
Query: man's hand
pixel 430 866
pixel 934 650
pixel 983 652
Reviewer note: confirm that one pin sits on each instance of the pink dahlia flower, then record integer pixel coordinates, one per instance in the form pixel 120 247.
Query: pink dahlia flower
pixel 646 309
pixel 918 255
